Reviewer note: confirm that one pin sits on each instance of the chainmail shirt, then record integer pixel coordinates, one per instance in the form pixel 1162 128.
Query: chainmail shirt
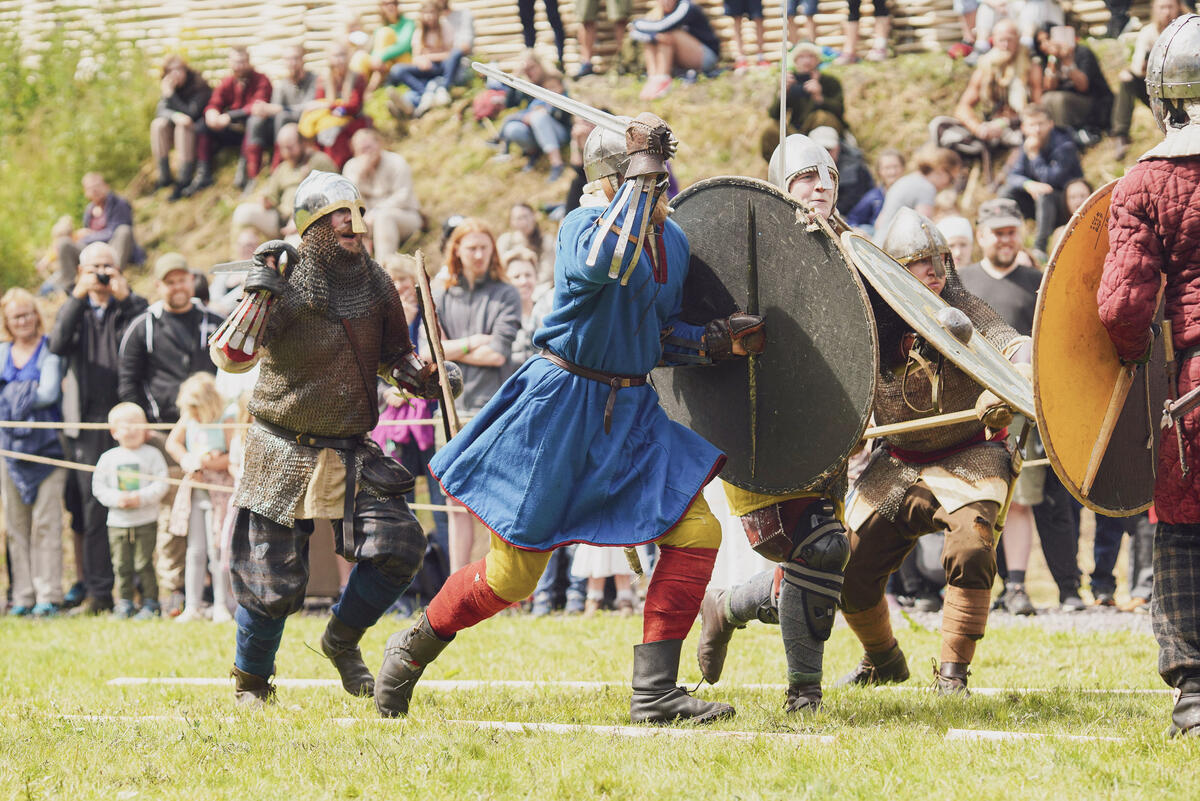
pixel 338 321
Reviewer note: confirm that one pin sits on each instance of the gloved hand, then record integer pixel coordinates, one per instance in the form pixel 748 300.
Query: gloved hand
pixel 1155 331
pixel 649 143
pixel 268 274
pixel 992 411
pixel 418 377
pixel 746 330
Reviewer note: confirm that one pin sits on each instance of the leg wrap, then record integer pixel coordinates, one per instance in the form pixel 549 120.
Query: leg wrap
pixel 465 599
pixel 808 596
pixel 964 618
pixel 753 599
pixel 676 590
pixel 369 593
pixel 258 640
pixel 873 627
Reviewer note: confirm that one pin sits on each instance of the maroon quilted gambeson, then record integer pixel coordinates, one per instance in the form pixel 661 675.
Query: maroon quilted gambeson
pixel 1154 230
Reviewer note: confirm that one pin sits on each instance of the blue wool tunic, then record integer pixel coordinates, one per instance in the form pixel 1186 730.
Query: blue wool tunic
pixel 535 465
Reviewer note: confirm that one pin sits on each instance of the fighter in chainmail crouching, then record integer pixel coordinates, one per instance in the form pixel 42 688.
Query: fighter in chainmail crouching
pixel 954 478
pixel 800 530
pixel 334 323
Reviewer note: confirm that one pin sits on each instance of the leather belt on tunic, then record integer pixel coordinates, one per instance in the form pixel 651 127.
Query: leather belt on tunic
pixel 613 380
pixel 345 447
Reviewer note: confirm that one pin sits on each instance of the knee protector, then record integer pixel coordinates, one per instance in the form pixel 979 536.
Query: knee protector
pixel 816 567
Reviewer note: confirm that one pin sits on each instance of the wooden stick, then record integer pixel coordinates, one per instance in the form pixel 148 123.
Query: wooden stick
pixel 434 329
pixel 1116 402
pixel 909 426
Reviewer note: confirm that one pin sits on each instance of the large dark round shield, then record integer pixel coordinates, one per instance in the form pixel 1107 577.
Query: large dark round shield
pixel 788 419
pixel 1076 378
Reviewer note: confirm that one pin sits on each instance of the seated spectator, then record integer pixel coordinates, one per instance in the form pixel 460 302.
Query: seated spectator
pixel 271 211
pixel 32 493
pixel 289 97
pixel 336 112
pixel 681 38
pixel 1028 15
pixel 87 333
pixel 807 16
pixel 434 65
pixel 1076 193
pixel 936 168
pixel 47 265
pixel 588 11
pixel 462 22
pixel 1133 77
pixel 107 218
pixel 960 236
pixel 1037 180
pixel 814 99
pixel 1005 79
pixel 391 43
pixel 132 502
pixel 737 10
pixel 529 31
pixel 854 178
pixel 523 233
pixel 227 118
pixel 179 117
pixel 385 183
pixel 1074 91
pixel 889 166
pixel 538 127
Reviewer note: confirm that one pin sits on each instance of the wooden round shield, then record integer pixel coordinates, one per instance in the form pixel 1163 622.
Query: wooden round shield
pixel 1075 373
pixel 918 306
pixel 788 419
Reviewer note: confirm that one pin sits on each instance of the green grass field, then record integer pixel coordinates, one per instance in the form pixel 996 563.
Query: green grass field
pixel 320 743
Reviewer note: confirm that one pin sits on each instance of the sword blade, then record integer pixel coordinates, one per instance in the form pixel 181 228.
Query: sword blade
pixel 752 308
pixel 233 267
pixel 600 119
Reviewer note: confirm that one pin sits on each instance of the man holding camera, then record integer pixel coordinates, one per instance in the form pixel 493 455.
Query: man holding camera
pixel 86 334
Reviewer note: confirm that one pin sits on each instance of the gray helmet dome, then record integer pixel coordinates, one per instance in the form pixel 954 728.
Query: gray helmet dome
pixel 913 237
pixel 323 193
pixel 803 155
pixel 604 155
pixel 1173 71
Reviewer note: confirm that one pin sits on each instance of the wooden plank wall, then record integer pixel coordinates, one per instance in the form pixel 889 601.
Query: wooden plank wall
pixel 204 29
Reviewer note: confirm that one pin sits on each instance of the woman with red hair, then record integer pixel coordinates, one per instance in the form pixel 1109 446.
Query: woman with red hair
pixel 480 314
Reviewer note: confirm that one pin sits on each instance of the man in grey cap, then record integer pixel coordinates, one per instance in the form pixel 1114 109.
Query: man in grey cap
pixel 1010 287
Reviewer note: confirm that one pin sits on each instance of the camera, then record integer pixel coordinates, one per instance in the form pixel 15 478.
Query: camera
pixel 103 278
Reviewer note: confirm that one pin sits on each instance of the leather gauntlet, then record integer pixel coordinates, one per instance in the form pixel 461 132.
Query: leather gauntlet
pixel 992 411
pixel 266 277
pixel 720 334
pixel 417 377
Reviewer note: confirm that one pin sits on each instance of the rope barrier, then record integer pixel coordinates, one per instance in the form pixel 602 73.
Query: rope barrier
pixel 88 468
pixel 169 426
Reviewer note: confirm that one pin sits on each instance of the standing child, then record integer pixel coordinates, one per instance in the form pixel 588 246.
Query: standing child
pixel 202 450
pixel 120 483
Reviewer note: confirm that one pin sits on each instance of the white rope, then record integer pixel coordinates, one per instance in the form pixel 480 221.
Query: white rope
pixel 169 426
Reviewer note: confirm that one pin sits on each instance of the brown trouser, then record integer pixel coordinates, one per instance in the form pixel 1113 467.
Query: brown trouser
pixel 879 546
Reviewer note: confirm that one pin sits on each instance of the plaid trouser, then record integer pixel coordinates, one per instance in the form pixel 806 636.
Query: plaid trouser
pixel 1176 605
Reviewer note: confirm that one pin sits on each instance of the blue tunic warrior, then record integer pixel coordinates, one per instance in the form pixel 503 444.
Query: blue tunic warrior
pixel 575 448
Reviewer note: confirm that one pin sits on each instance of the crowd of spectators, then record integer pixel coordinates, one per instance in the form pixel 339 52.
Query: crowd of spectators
pixel 113 361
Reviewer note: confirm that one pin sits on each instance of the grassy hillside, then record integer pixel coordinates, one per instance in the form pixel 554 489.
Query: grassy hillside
pixel 718 121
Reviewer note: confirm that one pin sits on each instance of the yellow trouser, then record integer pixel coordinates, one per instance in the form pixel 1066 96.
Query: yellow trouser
pixel 513 573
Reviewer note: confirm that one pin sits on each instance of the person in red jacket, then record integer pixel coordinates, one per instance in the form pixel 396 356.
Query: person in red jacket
pixel 227 119
pixel 1154 230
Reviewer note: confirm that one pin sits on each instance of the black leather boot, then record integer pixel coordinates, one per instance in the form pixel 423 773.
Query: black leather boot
pixel 186 172
pixel 716 629
pixel 950 678
pixel 656 698
pixel 339 643
pixel 404 660
pixel 250 690
pixel 803 698
pixel 204 179
pixel 886 667
pixel 239 174
pixel 1185 717
pixel 164 174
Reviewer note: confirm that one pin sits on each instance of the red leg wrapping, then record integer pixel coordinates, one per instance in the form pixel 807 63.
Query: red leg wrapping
pixel 464 600
pixel 676 590
pixel 253 154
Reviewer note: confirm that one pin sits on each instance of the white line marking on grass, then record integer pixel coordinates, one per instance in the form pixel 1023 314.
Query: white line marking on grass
pixel 428 684
pixel 517 727
pixel 986 734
